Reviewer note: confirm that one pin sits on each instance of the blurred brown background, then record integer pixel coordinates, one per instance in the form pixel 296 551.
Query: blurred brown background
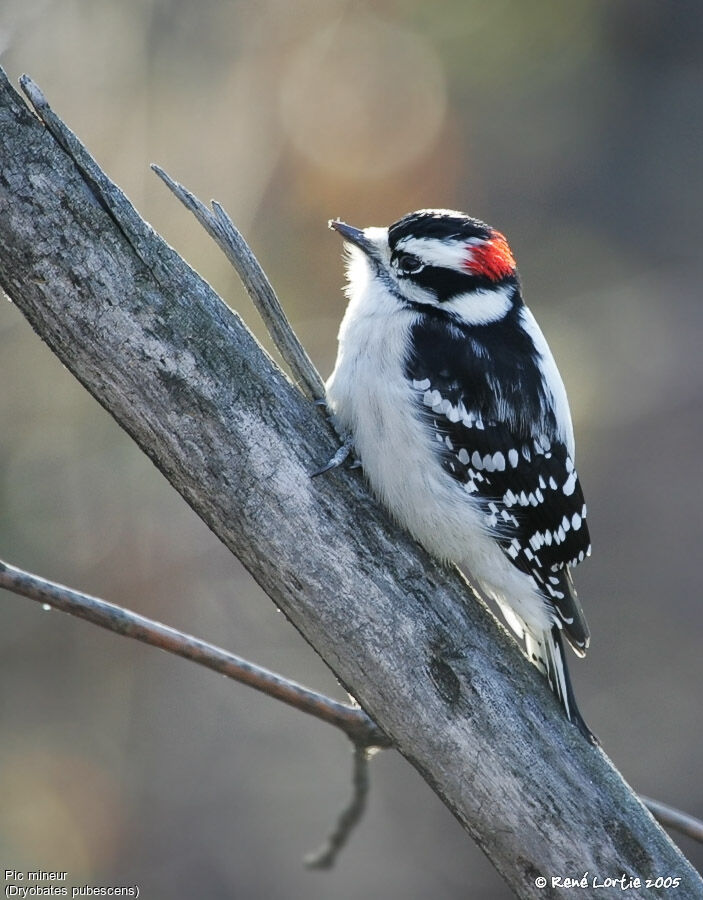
pixel 575 128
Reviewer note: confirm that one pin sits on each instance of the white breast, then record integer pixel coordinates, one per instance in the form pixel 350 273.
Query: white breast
pixel 374 402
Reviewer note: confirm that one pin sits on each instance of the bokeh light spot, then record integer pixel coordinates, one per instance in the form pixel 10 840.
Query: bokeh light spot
pixel 364 98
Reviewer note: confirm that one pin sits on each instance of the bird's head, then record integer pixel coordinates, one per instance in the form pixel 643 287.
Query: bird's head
pixel 440 259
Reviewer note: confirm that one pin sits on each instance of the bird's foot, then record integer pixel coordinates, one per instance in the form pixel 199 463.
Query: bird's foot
pixel 339 458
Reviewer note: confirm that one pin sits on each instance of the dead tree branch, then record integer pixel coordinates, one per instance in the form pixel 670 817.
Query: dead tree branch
pixel 223 231
pixel 325 857
pixel 363 733
pixel 353 721
pixel 179 371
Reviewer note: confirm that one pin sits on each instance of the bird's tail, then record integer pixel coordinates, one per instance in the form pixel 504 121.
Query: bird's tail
pixel 546 651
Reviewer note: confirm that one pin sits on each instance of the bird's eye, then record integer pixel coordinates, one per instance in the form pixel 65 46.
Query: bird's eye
pixel 408 264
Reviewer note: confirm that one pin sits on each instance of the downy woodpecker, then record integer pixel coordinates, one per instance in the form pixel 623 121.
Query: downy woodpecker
pixel 450 398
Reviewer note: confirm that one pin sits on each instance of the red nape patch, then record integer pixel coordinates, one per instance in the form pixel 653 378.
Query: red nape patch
pixel 490 259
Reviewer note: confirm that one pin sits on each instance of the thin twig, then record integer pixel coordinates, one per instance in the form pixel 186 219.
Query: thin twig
pixel 675 819
pixel 350 719
pixel 326 855
pixel 223 231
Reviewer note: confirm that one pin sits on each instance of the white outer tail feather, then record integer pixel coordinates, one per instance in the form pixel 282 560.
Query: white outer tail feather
pixel 548 655
pixel 546 651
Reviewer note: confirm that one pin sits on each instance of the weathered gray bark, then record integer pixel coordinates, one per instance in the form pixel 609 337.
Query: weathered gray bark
pixel 181 373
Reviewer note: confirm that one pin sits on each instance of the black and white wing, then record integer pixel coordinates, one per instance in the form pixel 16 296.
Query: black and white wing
pixel 514 463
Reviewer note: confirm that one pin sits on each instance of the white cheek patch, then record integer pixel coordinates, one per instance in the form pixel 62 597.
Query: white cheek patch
pixel 481 307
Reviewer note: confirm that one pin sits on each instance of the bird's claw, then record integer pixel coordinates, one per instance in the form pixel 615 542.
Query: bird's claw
pixel 344 451
pixel 339 458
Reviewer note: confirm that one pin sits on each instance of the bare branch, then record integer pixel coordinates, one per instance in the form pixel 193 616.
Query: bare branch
pixel 675 819
pixel 223 231
pixel 351 720
pixel 326 856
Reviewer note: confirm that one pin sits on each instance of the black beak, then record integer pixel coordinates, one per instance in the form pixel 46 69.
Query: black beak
pixel 353 235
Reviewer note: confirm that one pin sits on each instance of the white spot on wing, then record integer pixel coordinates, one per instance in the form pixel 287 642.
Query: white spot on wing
pixel 570 484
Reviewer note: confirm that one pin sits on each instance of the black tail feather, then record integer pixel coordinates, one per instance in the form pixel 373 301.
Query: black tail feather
pixel 546 651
